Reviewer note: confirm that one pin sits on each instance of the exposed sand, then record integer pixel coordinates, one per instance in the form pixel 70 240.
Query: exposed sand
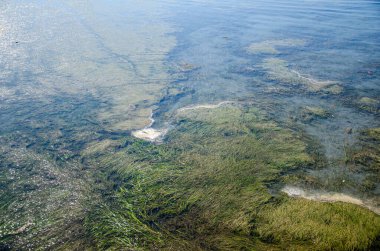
pixel 328 197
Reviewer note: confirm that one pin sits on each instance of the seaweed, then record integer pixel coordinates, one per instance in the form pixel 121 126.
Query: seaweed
pixel 208 187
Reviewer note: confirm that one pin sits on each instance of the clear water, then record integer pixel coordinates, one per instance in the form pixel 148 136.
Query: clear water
pixel 72 72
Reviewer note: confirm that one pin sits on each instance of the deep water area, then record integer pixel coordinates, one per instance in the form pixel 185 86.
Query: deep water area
pixel 189 125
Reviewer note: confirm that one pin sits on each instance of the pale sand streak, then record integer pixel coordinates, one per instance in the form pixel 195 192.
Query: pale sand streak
pixel 317 83
pixel 328 197
pixel 205 106
pixel 151 134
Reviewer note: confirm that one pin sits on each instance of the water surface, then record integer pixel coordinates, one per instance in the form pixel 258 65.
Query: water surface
pixel 73 73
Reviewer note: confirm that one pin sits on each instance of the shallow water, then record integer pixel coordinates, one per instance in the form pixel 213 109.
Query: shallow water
pixel 76 72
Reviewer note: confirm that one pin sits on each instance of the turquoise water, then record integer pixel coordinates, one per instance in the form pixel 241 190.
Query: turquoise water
pixel 77 72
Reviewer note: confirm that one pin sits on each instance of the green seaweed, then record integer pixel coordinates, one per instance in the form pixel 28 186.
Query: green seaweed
pixel 211 185
pixel 310 113
pixel 319 226
pixel 368 104
pixel 208 187
pixel 365 156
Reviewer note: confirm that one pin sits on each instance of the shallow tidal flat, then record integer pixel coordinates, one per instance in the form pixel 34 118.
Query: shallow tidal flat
pixel 193 125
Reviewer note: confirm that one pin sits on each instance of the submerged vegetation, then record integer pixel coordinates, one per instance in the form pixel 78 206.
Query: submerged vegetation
pixel 210 187
pixel 159 125
pixel 364 158
pixel 213 184
pixel 369 104
pixel 319 226
pixel 310 113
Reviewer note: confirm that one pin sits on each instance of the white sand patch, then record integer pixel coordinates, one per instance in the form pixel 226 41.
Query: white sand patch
pixel 155 135
pixel 150 134
pixel 205 106
pixel 328 197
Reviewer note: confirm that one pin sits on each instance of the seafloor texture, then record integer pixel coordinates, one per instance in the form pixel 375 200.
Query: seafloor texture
pixel 189 125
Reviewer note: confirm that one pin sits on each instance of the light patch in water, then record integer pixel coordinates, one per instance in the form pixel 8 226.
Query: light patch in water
pixel 204 106
pixel 270 46
pixel 328 197
pixel 6 93
pixel 368 101
pixel 121 65
pixel 278 69
pixel 150 134
pixel 96 147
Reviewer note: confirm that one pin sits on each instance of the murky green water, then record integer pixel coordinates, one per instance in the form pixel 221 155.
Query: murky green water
pixel 79 77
